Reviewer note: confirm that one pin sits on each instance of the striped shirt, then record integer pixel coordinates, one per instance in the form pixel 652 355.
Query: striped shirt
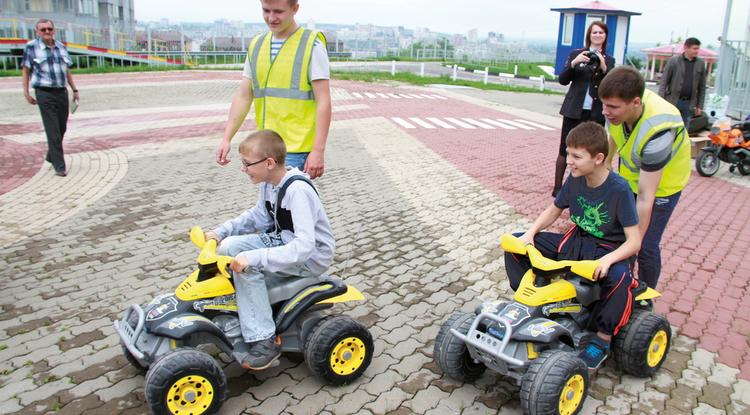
pixel 48 66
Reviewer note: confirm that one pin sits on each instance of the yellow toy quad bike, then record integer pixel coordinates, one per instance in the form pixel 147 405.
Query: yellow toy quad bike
pixel 162 339
pixel 535 338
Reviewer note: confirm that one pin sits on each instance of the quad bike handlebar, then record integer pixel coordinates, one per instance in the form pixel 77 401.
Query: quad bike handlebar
pixel 208 251
pixel 583 268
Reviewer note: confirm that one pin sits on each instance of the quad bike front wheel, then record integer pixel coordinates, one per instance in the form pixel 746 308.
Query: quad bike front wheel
pixel 132 360
pixel 744 167
pixel 450 352
pixel 556 383
pixel 185 381
pixel 642 345
pixel 338 350
pixel 707 163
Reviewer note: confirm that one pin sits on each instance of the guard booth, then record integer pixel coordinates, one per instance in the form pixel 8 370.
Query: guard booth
pixel 575 20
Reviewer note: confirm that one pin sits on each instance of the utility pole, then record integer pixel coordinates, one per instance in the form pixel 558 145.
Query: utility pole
pixel 722 80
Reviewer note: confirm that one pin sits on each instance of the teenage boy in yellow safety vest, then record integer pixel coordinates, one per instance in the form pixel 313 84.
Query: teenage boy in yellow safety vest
pixel 286 77
pixel 648 134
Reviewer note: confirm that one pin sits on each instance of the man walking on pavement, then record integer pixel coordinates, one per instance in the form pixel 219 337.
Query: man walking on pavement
pixel 683 82
pixel 46 63
pixel 286 77
pixel 650 138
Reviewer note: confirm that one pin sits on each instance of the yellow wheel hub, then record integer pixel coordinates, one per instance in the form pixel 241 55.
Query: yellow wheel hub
pixel 348 356
pixel 657 348
pixel 190 395
pixel 572 395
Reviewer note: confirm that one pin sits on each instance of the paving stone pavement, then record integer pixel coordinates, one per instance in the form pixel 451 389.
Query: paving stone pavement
pixel 417 231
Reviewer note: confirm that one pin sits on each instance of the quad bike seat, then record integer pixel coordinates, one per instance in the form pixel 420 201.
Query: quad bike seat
pixel 284 288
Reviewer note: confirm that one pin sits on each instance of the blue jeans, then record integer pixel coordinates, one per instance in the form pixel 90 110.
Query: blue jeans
pixel 256 316
pixel 649 257
pixel 684 107
pixel 296 160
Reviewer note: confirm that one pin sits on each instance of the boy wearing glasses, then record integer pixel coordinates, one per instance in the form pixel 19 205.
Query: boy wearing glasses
pixel 286 233
pixel 45 64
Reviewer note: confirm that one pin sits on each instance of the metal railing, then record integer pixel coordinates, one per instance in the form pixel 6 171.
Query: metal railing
pixel 734 68
pixel 23 28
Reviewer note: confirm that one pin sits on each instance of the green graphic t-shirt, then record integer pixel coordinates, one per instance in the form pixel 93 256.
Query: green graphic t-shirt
pixel 603 211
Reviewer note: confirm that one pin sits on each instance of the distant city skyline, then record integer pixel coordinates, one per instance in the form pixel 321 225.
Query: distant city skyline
pixel 660 19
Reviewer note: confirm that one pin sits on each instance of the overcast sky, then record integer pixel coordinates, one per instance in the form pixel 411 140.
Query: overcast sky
pixel 660 19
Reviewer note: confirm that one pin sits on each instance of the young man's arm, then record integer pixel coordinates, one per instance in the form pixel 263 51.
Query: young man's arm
pixel 630 247
pixel 611 154
pixel 701 93
pixel 314 165
pixel 648 182
pixel 237 114
pixel 545 219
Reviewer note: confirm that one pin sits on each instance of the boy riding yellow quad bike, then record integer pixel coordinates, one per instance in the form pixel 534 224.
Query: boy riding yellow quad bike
pixel 534 339
pixel 162 339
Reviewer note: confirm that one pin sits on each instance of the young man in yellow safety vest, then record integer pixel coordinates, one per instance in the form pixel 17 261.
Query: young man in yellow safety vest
pixel 286 77
pixel 648 134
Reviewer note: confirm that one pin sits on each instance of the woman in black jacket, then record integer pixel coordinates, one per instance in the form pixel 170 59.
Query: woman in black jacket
pixel 584 69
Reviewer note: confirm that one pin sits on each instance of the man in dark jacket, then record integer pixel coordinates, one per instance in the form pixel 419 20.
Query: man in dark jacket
pixel 683 82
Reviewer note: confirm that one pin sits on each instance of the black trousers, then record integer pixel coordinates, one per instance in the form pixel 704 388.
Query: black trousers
pixel 613 309
pixel 53 105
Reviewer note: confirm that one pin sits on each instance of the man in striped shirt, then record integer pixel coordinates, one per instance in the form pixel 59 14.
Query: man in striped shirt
pixel 45 64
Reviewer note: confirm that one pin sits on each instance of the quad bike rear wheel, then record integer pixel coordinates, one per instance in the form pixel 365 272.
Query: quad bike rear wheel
pixel 185 381
pixel 744 167
pixel 707 163
pixel 556 382
pixel 450 352
pixel 642 345
pixel 338 350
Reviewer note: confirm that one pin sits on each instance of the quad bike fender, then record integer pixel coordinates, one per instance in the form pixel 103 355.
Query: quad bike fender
pixel 649 294
pixel 542 330
pixel 321 293
pixel 184 325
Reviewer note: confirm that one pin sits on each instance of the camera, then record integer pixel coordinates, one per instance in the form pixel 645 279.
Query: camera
pixel 594 58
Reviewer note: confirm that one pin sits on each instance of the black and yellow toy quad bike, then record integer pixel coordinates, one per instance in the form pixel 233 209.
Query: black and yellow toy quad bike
pixel 535 338
pixel 163 338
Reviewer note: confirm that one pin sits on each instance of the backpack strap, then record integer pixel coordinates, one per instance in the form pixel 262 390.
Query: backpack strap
pixel 282 193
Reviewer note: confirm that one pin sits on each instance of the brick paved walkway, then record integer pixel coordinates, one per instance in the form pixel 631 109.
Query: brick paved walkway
pixel 419 185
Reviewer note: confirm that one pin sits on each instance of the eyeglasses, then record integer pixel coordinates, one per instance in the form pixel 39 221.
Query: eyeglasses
pixel 46 29
pixel 245 164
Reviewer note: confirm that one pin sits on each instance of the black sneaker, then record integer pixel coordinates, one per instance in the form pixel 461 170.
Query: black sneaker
pixel 257 355
pixel 646 305
pixel 595 352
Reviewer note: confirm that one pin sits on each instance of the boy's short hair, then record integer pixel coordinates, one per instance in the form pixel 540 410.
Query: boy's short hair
pixel 589 136
pixel 622 82
pixel 265 143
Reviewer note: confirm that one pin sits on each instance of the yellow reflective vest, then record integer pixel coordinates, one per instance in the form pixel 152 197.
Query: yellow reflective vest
pixel 658 115
pixel 282 91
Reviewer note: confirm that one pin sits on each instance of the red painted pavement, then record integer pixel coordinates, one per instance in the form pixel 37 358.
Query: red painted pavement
pixel 704 279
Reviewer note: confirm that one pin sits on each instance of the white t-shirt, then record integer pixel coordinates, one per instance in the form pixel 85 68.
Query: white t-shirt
pixel 319 68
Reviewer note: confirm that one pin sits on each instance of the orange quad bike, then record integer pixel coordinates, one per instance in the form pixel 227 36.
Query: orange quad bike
pixel 728 144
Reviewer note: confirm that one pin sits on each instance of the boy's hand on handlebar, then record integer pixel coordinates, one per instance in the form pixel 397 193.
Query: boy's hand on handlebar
pixel 603 268
pixel 238 265
pixel 211 235
pixel 527 239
